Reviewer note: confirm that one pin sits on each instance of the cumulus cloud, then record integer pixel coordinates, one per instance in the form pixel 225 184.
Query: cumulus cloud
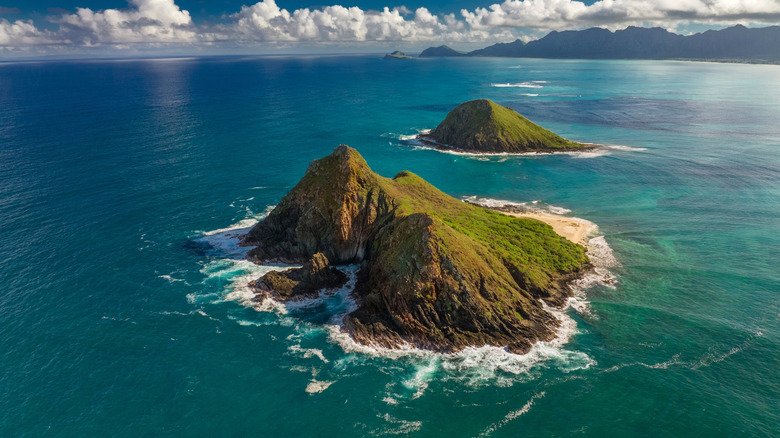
pixel 163 23
pixel 148 21
pixel 568 14
pixel 22 33
pixel 266 21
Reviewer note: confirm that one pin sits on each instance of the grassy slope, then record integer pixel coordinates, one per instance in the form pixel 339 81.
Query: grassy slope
pixel 492 124
pixel 529 244
pixel 441 273
pixel 532 246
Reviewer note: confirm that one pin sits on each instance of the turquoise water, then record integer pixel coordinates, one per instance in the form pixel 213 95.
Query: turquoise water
pixel 122 311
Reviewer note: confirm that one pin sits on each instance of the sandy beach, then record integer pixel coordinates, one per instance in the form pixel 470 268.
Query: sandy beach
pixel 572 228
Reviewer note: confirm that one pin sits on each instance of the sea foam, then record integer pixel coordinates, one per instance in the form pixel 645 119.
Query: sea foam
pixel 600 150
pixel 475 366
pixel 531 84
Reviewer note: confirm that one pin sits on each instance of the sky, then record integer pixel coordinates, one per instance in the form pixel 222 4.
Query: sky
pixel 117 28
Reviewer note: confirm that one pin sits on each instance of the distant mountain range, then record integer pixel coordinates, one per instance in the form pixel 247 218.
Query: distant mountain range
pixel 738 44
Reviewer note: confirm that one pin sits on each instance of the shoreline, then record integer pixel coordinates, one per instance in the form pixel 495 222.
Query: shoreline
pixel 574 229
pixel 425 141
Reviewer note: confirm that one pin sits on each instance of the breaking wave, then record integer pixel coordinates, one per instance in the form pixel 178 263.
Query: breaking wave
pixel 227 275
pixel 530 84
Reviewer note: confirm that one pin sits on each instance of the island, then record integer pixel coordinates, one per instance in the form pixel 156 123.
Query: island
pixel 398 55
pixel 482 126
pixel 733 44
pixel 434 272
pixel 441 52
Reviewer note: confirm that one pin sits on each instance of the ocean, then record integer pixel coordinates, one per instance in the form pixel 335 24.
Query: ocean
pixel 123 302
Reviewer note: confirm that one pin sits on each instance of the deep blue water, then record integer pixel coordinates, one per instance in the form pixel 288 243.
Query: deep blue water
pixel 121 315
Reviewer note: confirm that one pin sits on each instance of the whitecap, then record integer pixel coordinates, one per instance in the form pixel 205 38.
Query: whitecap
pixel 172 279
pixel 533 84
pixel 402 427
pixel 512 415
pixel 308 353
pixel 390 400
pixel 602 150
pixel 625 148
pixel 558 210
pixel 412 137
pixel 317 386
pixel 422 375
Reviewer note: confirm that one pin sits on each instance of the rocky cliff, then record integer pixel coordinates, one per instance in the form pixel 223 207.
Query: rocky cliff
pixel 435 272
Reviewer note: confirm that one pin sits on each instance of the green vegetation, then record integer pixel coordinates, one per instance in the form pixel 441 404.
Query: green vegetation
pixel 436 271
pixel 484 126
pixel 530 245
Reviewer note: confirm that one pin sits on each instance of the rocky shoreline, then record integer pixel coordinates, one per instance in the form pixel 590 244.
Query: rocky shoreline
pixel 428 141
pixel 434 272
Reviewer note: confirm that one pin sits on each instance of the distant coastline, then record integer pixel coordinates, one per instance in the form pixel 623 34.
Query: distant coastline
pixel 737 44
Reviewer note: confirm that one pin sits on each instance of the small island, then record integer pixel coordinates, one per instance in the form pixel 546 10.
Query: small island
pixel 482 126
pixel 398 55
pixel 434 272
pixel 442 52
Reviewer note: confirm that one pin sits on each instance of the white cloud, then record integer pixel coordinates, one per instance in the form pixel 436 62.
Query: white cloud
pixel 21 33
pixel 149 21
pixel 266 21
pixel 155 23
pixel 569 14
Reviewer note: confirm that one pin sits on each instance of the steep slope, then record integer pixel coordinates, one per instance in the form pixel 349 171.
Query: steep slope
pixel 515 48
pixel 736 43
pixel 398 55
pixel 441 52
pixel 486 127
pixel 435 271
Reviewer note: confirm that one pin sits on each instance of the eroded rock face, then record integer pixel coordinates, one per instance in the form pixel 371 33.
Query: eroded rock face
pixel 334 209
pixel 306 281
pixel 435 272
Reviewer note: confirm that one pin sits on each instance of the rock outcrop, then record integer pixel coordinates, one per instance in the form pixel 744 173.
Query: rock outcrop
pixel 434 271
pixel 306 281
pixel 483 126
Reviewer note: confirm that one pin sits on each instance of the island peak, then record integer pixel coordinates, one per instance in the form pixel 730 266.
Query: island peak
pixel 432 271
pixel 441 52
pixel 398 55
pixel 483 126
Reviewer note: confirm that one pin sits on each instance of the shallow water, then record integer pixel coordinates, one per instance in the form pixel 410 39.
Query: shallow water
pixel 122 307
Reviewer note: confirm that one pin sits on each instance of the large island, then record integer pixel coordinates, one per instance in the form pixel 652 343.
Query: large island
pixel 483 126
pixel 435 272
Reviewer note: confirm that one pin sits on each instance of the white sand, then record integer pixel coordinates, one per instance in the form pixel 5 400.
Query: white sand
pixel 573 228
